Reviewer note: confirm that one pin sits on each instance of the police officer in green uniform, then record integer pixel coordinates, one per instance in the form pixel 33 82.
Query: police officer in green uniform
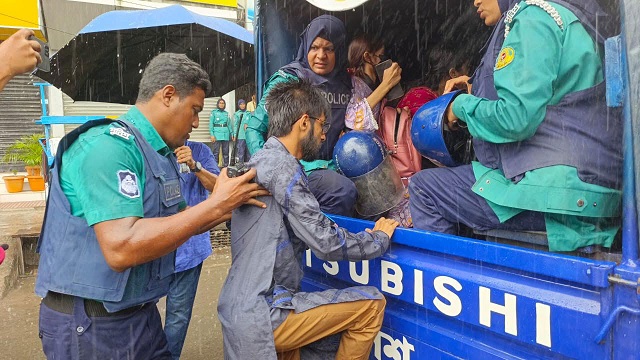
pixel 115 216
pixel 220 130
pixel 239 126
pixel 321 59
pixel 548 148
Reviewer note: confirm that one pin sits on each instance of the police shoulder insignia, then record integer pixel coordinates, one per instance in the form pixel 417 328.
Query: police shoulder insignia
pixel 128 184
pixel 505 58
pixel 119 132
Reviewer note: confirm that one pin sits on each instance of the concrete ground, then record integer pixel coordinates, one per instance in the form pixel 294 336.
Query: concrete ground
pixel 19 316
pixel 19 305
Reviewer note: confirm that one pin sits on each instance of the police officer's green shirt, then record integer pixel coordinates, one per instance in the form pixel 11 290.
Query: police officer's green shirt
pixel 220 125
pixel 258 125
pixel 259 122
pixel 90 178
pixel 240 120
pixel 539 64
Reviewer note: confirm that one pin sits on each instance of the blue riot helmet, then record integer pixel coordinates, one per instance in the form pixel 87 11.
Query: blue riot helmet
pixel 358 152
pixel 362 157
pixel 432 138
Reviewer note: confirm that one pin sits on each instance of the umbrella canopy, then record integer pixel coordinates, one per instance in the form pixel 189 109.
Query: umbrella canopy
pixel 104 62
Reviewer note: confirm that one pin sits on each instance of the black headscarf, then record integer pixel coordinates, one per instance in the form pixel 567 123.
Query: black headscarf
pixel 329 28
pixel 336 84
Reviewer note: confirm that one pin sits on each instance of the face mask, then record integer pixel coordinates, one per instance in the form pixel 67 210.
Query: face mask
pixel 383 57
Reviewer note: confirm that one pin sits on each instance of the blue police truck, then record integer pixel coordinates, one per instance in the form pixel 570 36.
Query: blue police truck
pixel 499 294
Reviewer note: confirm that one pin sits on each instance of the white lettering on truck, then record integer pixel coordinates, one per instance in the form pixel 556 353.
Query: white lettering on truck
pixel 446 297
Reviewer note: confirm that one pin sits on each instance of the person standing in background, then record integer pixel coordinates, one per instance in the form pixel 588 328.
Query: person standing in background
pixel 220 129
pixel 196 186
pixel 251 106
pixel 239 125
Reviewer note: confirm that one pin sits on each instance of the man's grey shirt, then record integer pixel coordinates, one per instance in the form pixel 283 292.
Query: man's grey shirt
pixel 267 246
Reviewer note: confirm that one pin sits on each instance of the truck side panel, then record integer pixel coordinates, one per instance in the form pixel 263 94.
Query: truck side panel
pixel 461 306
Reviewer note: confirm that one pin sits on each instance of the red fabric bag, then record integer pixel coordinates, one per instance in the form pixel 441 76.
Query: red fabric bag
pixel 416 97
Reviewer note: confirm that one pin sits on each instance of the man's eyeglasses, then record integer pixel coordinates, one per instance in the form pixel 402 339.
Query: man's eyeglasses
pixel 325 126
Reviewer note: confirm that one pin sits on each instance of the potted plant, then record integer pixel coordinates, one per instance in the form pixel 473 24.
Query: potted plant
pixel 28 151
pixel 14 183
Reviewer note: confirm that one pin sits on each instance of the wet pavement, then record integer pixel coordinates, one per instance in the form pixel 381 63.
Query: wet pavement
pixel 19 316
pixel 19 307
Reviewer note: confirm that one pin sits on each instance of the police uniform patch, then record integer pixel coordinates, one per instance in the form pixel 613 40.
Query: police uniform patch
pixel 128 184
pixel 120 132
pixel 505 58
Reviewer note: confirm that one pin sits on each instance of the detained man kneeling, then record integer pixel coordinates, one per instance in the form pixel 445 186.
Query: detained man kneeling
pixel 264 314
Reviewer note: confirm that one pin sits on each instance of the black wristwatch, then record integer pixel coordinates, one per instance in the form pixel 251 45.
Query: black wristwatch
pixel 197 168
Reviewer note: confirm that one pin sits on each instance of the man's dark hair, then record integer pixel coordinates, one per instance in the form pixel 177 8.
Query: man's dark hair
pixel 288 101
pixel 172 69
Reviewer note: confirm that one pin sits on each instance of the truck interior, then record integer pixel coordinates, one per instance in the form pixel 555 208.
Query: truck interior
pixel 411 32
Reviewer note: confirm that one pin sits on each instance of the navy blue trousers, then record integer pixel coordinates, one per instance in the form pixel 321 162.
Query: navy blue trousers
pixel 441 199
pixel 335 193
pixel 242 149
pixel 215 149
pixel 180 300
pixel 78 337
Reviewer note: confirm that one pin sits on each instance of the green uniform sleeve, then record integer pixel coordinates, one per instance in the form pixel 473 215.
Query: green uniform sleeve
pixel 258 125
pixel 99 187
pixel 231 125
pixel 211 121
pixel 245 119
pixel 524 84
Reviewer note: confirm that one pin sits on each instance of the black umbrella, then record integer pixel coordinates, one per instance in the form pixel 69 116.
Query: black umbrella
pixel 104 62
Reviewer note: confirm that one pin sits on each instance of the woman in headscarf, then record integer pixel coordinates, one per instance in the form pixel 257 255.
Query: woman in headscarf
pixel 321 60
pixel 220 132
pixel 548 148
pixel 239 127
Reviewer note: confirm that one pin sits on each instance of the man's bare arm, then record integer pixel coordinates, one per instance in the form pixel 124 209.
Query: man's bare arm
pixel 207 179
pixel 132 241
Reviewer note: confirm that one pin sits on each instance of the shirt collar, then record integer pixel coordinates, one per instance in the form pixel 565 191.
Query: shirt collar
pixel 135 117
pixel 275 143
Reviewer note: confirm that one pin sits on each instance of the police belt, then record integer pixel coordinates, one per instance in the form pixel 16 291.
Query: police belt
pixel 219 125
pixel 64 303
